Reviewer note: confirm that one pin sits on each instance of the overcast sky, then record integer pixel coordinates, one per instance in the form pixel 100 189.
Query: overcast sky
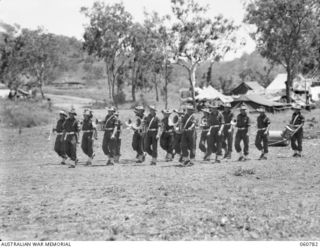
pixel 63 16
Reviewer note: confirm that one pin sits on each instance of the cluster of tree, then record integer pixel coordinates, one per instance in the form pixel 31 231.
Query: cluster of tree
pixel 34 57
pixel 287 33
pixel 145 53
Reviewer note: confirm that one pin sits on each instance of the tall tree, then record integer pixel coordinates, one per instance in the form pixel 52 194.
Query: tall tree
pixel 39 55
pixel 285 32
pixel 198 38
pixel 107 37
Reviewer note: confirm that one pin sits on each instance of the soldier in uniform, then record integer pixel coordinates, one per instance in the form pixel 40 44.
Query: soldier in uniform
pixel 89 131
pixel 227 130
pixel 70 133
pixel 263 125
pixel 167 135
pixel 177 135
pixel 297 121
pixel 59 143
pixel 242 134
pixel 188 138
pixel 110 126
pixel 203 144
pixel 152 125
pixel 138 135
pixel 215 133
pixel 118 139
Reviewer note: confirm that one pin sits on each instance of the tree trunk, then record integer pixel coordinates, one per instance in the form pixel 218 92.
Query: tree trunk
pixel 133 83
pixel 289 84
pixel 192 79
pixel 156 87
pixel 166 86
pixel 41 90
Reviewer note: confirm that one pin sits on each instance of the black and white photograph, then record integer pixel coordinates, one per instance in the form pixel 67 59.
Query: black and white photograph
pixel 172 120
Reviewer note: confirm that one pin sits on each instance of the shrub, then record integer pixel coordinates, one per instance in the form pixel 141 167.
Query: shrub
pixel 24 113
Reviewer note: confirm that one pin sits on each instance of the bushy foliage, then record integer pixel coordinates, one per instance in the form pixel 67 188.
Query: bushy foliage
pixel 24 113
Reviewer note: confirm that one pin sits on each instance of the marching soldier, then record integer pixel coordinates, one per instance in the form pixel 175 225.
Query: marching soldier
pixel 118 139
pixel 188 138
pixel 89 131
pixel 59 143
pixel 263 125
pixel 177 135
pixel 203 144
pixel 167 135
pixel 110 126
pixel 70 133
pixel 227 130
pixel 138 135
pixel 152 134
pixel 297 121
pixel 216 124
pixel 242 134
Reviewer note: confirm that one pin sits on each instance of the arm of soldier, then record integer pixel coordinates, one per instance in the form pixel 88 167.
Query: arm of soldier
pixel 95 131
pixel 222 125
pixel 159 127
pixel 115 127
pixel 193 121
pixel 268 126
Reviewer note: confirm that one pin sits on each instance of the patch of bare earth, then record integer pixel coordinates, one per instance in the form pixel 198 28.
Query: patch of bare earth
pixel 276 199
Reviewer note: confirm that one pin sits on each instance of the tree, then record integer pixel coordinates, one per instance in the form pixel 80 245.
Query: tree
pixel 39 56
pixel 107 37
pixel 285 32
pixel 198 38
pixel 10 53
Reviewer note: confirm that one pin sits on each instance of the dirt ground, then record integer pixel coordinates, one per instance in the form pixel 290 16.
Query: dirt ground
pixel 276 199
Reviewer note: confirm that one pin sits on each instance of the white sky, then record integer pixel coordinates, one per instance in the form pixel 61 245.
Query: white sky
pixel 64 17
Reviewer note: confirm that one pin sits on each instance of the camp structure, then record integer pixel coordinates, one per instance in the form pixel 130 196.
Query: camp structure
pixel 252 87
pixel 255 101
pixel 211 94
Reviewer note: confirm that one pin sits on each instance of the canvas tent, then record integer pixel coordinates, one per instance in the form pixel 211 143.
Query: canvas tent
pixel 279 84
pixel 209 94
pixel 255 101
pixel 248 88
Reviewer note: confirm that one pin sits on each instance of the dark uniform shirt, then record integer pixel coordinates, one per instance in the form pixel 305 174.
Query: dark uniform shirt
pixel 151 123
pixel 243 121
pixel 110 122
pixel 263 122
pixel 87 125
pixel 215 119
pixel 187 121
pixel 71 125
pixel 165 124
pixel 59 126
pixel 297 119
pixel 228 116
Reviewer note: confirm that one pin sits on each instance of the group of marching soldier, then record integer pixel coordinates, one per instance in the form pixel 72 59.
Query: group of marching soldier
pixel 177 136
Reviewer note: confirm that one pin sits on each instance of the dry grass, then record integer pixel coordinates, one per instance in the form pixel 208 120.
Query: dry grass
pixel 41 200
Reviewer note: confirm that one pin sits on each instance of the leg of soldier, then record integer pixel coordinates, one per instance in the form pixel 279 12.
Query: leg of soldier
pixel 105 145
pixel 184 146
pixel 214 141
pixel 210 145
pixel 170 146
pixel 177 143
pixel 59 148
pixel 148 143
pixel 299 140
pixel 237 145
pixel 219 140
pixel 258 141
pixel 294 146
pixel 72 150
pixel 84 144
pixel 154 144
pixel 118 148
pixel 192 145
pixel 203 141
pixel 265 139
pixel 245 139
pixel 163 141
pixel 90 147
pixel 230 143
pixel 68 148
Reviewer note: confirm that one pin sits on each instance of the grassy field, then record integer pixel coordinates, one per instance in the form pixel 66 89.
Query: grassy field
pixel 276 199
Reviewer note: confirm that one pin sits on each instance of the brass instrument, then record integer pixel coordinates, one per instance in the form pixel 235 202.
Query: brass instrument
pixel 135 124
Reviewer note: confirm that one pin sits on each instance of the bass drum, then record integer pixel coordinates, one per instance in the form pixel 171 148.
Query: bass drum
pixel 276 139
